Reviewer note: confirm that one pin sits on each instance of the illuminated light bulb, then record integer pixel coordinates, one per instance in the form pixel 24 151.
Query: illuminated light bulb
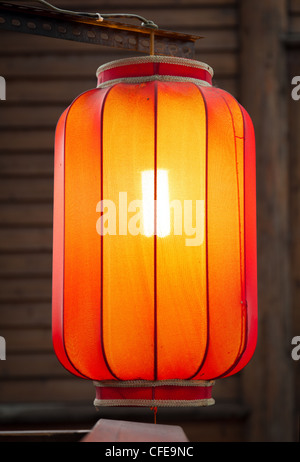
pixel 162 203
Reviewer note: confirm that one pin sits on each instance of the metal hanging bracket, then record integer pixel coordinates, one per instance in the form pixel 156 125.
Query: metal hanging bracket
pixel 145 38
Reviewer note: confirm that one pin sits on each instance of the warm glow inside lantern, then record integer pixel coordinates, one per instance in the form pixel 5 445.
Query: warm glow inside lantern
pixel 154 258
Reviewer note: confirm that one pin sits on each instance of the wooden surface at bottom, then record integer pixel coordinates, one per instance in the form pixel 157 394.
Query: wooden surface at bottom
pixel 122 431
pixel 42 436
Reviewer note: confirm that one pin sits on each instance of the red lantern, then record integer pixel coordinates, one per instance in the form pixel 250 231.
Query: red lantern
pixel 154 258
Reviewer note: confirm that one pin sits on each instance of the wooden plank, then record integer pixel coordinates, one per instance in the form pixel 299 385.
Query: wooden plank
pixel 54 66
pixel 82 411
pixel 33 96
pixel 25 240
pixel 218 430
pixel 25 315
pixel 19 215
pixel 47 415
pixel 264 95
pixel 223 423
pixel 14 214
pixel 117 4
pixel 124 431
pixel 230 85
pixel 26 265
pixel 47 390
pixel 189 17
pixel 294 7
pixel 42 436
pixel 29 289
pixel 26 189
pixel 227 389
pixel 216 40
pixel 24 363
pixel 33 165
pixel 30 366
pixel 21 341
pixel 294 24
pixel 85 65
pixel 26 140
pixel 27 116
pixel 46 92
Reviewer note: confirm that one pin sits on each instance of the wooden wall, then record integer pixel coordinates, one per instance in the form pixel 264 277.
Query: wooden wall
pixel 293 53
pixel 294 16
pixel 43 76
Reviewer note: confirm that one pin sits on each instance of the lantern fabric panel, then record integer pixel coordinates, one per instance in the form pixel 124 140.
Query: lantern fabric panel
pixel 250 242
pixel 225 227
pixel 154 234
pixel 181 277
pixel 58 250
pixel 76 294
pixel 127 261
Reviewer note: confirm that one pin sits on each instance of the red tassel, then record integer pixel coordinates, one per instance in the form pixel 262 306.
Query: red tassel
pixel 154 409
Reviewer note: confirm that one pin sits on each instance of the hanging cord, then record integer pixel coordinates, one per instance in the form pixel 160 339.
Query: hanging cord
pixel 154 409
pixel 98 16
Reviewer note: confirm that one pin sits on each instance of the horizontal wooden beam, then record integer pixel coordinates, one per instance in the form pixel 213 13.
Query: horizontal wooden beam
pixel 143 38
pixel 42 414
pixel 291 40
pixel 42 436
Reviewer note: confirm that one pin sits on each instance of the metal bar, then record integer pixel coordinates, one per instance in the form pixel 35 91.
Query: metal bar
pixel 37 21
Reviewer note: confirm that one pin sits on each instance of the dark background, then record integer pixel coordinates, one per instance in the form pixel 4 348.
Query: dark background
pixel 254 48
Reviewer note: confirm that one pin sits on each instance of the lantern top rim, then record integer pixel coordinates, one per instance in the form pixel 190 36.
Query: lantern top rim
pixel 154 67
pixel 156 59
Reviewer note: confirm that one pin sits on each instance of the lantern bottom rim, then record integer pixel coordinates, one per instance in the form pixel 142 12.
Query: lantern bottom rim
pixel 164 393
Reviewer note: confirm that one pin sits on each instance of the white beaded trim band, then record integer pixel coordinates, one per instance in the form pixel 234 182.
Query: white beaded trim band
pixel 157 383
pixel 152 78
pixel 152 403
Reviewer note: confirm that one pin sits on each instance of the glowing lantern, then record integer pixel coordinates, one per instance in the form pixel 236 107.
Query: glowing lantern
pixel 154 266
